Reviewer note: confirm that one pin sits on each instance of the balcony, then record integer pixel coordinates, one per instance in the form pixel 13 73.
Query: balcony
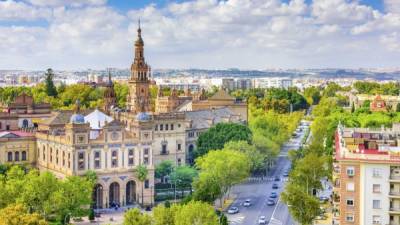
pixel 394 194
pixel 394 223
pixel 394 210
pixel 394 178
pixel 164 153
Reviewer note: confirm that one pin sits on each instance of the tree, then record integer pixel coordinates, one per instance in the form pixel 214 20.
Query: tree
pixel 219 171
pixel 142 173
pixel 217 136
pixel 302 206
pixel 72 198
pixel 257 159
pixel 398 108
pixel 183 177
pixel 164 169
pixel 164 215
pixel 135 217
pixel 223 220
pixel 17 214
pixel 50 87
pixel 312 95
pixel 196 213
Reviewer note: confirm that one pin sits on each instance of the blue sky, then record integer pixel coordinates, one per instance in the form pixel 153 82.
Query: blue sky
pixel 248 34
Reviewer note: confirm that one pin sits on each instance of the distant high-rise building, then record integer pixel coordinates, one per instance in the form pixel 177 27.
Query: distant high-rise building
pixel 273 82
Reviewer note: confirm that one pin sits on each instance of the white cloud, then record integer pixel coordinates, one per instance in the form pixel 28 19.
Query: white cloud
pixel 392 6
pixel 12 10
pixel 75 3
pixel 208 33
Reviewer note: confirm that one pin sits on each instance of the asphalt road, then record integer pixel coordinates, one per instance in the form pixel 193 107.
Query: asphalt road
pixel 258 190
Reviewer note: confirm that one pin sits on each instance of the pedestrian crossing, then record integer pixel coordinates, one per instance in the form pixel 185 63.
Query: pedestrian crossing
pixel 235 219
pixel 275 222
pixel 264 179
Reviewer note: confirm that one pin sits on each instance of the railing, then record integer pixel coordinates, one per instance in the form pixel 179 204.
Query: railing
pixel 394 209
pixel 164 153
pixel 394 193
pixel 394 177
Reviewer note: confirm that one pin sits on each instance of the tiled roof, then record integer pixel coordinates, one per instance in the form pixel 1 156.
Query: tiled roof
pixel 221 95
pixel 204 119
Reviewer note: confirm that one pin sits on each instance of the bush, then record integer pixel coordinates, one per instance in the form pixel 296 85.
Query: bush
pixel 91 215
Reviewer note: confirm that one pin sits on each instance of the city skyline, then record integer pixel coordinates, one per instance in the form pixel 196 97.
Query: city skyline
pixel 200 34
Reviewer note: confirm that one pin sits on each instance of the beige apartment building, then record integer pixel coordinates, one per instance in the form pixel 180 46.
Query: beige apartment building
pixel 367 176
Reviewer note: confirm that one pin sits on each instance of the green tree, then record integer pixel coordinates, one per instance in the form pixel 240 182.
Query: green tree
pixel 183 176
pixel 135 217
pixel 164 215
pixel 164 169
pixel 17 214
pixel 50 87
pixel 220 170
pixel 217 136
pixel 142 173
pixel 72 198
pixel 312 95
pixel 257 159
pixel 302 206
pixel 196 213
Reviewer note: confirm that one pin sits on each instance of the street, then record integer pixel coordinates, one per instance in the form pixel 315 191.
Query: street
pixel 258 191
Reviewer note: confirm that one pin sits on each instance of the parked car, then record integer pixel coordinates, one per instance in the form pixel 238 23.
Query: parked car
pixel 285 174
pixel 323 198
pixel 233 210
pixel 271 202
pixel 273 195
pixel 276 178
pixel 247 203
pixel 275 186
pixel 262 220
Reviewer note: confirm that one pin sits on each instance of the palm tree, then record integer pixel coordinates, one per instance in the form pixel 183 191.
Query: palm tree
pixel 142 173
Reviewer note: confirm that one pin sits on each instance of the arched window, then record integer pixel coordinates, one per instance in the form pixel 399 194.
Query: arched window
pixel 1 125
pixel 23 156
pixel 16 156
pixel 9 156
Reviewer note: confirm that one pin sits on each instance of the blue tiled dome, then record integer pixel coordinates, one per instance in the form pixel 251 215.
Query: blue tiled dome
pixel 77 118
pixel 142 116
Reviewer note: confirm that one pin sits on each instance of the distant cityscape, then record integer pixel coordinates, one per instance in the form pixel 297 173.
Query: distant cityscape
pixel 196 79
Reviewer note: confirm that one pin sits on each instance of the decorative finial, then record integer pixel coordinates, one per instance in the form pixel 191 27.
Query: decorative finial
pixel 139 28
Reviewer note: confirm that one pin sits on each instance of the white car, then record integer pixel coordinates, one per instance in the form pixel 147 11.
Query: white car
pixel 247 203
pixel 233 210
pixel 262 220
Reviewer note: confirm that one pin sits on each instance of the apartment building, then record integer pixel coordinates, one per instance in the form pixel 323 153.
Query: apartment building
pixel 366 176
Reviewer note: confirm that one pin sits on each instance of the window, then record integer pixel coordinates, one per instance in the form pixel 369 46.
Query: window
pixel 81 139
pixel 69 160
pixel 179 125
pixel 179 161
pixel 376 188
pixel 191 134
pixel 114 158
pixel 376 219
pixel 349 217
pixel 16 156
pixel 179 147
pixel 350 186
pixel 97 160
pixel 51 155
pixel 350 171
pixel 7 127
pixel 146 184
pixel 166 126
pixel 23 156
pixel 161 127
pixel 57 156
pixel 172 126
pixel 81 160
pixel 376 172
pixel 146 151
pixel 9 156
pixel 376 204
pixel 130 157
pixel 44 153
pixel 63 158
pixel 164 149
pixel 156 128
pixel 350 202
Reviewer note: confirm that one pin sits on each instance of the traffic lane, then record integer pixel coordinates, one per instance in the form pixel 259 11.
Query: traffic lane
pixel 266 210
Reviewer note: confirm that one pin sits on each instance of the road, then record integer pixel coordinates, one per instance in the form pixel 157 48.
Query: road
pixel 258 191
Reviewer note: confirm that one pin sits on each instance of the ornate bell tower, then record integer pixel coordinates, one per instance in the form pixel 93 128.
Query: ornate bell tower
pixel 139 83
pixel 110 97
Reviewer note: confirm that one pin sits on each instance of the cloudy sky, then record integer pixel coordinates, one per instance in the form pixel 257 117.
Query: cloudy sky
pixel 247 34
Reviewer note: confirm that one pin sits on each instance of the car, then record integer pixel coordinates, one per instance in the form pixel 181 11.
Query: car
pixel 247 203
pixel 271 202
pixel 323 198
pixel 276 178
pixel 285 174
pixel 273 195
pixel 275 186
pixel 262 220
pixel 233 210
